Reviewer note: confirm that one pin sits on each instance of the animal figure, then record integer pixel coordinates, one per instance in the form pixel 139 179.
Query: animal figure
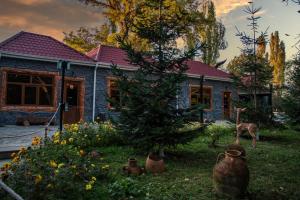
pixel 240 127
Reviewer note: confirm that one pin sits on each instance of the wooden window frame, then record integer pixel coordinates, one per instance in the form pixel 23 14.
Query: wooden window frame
pixel 27 107
pixel 204 87
pixel 109 79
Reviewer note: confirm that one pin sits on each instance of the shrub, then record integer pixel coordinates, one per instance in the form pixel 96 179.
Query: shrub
pixel 88 135
pixel 126 188
pixel 55 171
pixel 215 131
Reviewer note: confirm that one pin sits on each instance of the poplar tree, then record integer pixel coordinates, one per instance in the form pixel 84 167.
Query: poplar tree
pixel 277 59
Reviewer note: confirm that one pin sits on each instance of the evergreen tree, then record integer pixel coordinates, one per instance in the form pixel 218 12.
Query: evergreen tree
pixel 251 71
pixel 277 59
pixel 291 102
pixel 149 119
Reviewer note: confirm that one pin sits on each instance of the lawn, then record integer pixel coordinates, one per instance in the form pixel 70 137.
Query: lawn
pixel 274 169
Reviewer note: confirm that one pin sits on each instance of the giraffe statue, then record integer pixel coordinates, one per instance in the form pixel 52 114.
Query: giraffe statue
pixel 250 127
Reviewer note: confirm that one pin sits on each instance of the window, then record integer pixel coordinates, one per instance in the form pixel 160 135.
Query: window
pixel 24 89
pixel 195 96
pixel 113 93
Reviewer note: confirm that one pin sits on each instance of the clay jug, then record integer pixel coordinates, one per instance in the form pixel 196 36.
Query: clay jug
pixel 155 164
pixel 132 167
pixel 237 147
pixel 231 175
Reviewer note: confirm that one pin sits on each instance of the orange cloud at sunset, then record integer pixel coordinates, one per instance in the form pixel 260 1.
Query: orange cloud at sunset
pixel 225 6
pixel 32 2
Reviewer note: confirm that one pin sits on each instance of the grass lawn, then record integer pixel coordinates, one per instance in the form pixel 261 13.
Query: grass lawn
pixel 274 168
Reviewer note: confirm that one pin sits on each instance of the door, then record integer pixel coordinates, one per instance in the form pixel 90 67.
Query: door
pixel 226 105
pixel 72 91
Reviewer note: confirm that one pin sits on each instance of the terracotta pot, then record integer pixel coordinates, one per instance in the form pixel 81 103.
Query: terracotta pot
pixel 231 175
pixel 155 164
pixel 132 167
pixel 237 147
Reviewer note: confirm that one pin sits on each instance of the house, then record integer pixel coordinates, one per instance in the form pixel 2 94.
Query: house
pixel 30 81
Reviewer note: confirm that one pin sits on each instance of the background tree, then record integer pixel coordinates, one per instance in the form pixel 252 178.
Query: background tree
pixel 291 102
pixel 277 59
pixel 120 13
pixel 211 34
pixel 85 39
pixel 149 119
pixel 251 71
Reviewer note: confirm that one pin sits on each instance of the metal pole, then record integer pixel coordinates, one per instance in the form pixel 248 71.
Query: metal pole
pixel 201 98
pixel 62 104
pixel 10 191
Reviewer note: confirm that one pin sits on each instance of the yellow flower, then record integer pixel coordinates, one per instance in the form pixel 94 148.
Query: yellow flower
pixel 53 163
pixel 16 159
pixel 49 185
pixel 81 152
pixel 6 166
pixel 36 141
pixel 56 134
pixel 61 165
pixel 71 140
pixel 88 186
pixel 22 150
pixel 13 155
pixel 56 141
pixel 93 180
pixel 63 142
pixel 38 179
pixel 105 167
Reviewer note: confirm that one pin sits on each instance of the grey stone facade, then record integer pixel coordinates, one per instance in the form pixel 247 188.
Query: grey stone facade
pixel 101 106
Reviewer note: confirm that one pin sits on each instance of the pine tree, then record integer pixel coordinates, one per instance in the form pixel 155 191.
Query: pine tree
pixel 251 71
pixel 149 119
pixel 291 102
pixel 277 59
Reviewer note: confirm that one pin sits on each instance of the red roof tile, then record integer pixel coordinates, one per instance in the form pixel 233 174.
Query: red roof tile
pixel 31 44
pixel 109 54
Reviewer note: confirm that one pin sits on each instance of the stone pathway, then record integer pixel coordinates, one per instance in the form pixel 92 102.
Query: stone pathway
pixel 14 137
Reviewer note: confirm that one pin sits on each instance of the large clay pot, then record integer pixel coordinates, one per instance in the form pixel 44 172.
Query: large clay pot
pixel 231 175
pixel 237 147
pixel 155 164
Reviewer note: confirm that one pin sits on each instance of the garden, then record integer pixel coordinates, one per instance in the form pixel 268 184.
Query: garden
pixel 87 162
pixel 156 149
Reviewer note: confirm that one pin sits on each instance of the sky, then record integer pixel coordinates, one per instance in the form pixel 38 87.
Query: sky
pixel 53 17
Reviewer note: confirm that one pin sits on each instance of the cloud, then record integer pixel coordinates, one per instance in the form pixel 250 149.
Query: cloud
pixel 52 18
pixel 224 7
pixel 31 2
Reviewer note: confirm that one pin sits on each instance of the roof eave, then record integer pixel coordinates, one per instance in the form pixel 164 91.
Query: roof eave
pixel 44 58
pixel 131 68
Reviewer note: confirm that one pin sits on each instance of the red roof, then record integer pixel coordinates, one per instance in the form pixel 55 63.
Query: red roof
pixel 109 54
pixel 31 44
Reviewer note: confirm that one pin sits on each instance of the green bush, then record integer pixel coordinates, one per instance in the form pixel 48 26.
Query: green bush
pixel 215 131
pixel 54 171
pixel 126 188
pixel 89 135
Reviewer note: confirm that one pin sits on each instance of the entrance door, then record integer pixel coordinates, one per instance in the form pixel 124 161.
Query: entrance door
pixel 72 90
pixel 226 105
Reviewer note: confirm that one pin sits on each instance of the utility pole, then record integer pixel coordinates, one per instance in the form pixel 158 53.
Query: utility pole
pixel 63 65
